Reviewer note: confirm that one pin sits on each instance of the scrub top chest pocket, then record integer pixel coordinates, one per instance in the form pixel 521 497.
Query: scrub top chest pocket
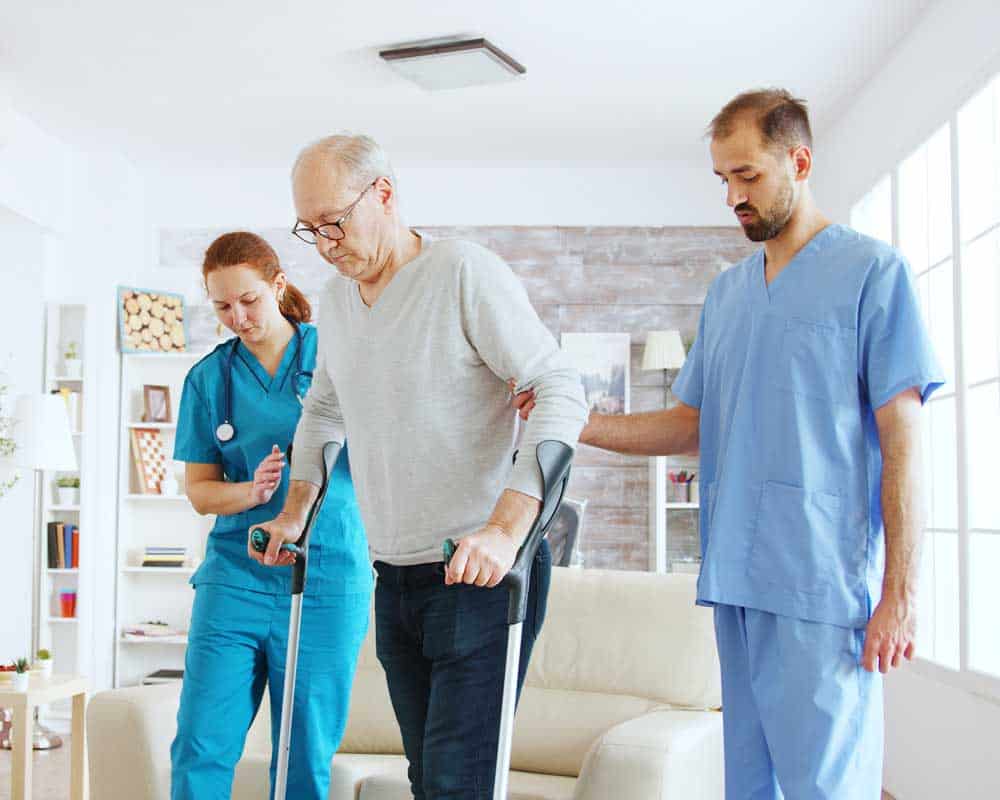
pixel 817 360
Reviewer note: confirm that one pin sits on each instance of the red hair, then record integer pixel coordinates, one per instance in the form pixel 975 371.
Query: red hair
pixel 242 247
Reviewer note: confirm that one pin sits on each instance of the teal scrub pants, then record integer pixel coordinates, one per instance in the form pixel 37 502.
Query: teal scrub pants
pixel 236 645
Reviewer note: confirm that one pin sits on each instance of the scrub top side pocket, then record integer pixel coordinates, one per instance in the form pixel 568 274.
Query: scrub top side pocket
pixel 804 541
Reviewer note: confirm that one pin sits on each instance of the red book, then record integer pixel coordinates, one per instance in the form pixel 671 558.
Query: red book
pixel 76 548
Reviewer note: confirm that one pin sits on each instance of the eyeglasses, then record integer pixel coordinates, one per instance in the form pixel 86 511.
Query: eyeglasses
pixel 334 231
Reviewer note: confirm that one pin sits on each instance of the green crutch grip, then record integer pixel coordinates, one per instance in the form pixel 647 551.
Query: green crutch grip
pixel 259 539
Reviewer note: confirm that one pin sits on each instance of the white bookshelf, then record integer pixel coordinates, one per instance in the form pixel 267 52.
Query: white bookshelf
pixel 64 323
pixel 660 511
pixel 152 519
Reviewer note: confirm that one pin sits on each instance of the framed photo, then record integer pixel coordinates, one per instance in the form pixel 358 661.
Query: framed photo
pixel 156 403
pixel 149 456
pixel 602 360
pixel 151 321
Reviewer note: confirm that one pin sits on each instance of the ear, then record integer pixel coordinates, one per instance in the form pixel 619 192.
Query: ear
pixel 279 283
pixel 801 162
pixel 386 194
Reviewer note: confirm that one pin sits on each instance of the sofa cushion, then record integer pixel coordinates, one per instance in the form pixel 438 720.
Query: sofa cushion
pixel 384 778
pixel 635 634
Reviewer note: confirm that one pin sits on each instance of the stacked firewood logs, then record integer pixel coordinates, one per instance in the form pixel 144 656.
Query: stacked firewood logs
pixel 152 321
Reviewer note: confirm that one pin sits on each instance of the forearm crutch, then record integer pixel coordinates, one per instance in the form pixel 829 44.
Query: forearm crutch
pixel 259 539
pixel 554 460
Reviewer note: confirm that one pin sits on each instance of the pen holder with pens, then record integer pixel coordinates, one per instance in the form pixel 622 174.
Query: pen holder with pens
pixel 682 487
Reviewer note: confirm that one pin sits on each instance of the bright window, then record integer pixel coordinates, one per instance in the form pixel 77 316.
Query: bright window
pixel 954 250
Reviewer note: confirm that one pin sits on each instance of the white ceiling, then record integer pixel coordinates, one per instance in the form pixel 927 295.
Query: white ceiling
pixel 249 82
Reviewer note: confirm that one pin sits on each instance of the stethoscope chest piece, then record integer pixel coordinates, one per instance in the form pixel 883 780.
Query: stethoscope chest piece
pixel 225 432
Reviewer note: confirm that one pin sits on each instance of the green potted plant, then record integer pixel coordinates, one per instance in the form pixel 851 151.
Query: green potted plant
pixel 71 361
pixel 68 490
pixel 44 663
pixel 21 667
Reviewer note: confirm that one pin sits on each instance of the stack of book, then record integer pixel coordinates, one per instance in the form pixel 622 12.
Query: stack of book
pixel 64 546
pixel 157 556
pixel 151 629
pixel 163 676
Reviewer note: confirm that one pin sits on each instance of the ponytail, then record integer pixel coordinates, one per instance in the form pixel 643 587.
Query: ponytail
pixel 293 304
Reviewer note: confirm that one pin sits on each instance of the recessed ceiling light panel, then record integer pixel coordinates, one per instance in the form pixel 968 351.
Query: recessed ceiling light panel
pixel 453 65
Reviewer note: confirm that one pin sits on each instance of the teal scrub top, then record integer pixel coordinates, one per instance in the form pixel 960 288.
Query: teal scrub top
pixel 787 378
pixel 265 412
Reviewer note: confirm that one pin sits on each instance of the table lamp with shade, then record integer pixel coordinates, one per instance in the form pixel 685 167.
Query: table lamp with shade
pixel 664 350
pixel 43 442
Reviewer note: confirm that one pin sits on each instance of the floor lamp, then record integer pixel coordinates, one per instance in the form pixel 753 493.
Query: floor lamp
pixel 664 350
pixel 43 442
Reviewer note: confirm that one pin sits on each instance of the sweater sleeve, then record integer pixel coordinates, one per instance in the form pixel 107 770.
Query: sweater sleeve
pixel 501 324
pixel 321 422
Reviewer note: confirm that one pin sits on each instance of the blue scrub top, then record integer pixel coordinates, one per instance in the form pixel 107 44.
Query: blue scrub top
pixel 265 412
pixel 787 378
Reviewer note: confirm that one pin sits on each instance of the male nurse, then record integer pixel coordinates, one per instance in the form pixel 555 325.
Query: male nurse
pixel 803 395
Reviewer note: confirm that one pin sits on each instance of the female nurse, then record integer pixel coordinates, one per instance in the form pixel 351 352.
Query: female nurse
pixel 238 413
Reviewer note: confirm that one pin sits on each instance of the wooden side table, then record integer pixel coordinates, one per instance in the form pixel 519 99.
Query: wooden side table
pixel 42 691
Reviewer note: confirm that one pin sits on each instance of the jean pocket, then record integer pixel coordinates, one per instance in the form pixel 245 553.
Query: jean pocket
pixel 818 361
pixel 804 541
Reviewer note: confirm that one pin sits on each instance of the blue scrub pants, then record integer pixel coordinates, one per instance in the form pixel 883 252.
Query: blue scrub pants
pixel 237 643
pixel 802 719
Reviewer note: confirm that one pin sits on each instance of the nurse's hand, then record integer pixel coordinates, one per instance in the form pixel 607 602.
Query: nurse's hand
pixel 281 529
pixel 267 477
pixel 482 559
pixel 523 402
pixel 890 636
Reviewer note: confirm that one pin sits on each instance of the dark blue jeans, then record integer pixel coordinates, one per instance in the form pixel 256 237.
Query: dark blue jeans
pixel 444 650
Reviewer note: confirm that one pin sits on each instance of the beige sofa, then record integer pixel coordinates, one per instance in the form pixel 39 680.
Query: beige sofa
pixel 618 704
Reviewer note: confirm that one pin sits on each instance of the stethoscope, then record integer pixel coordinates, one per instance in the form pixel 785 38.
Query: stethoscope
pixel 226 432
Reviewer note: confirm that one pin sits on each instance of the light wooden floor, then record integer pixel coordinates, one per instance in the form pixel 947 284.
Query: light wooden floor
pixel 50 774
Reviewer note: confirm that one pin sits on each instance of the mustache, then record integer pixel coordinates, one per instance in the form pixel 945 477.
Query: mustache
pixel 744 207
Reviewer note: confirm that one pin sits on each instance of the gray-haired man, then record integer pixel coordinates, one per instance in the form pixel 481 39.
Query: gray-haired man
pixel 416 349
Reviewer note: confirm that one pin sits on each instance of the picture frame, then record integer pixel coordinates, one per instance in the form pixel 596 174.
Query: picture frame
pixel 156 403
pixel 151 321
pixel 604 363
pixel 150 459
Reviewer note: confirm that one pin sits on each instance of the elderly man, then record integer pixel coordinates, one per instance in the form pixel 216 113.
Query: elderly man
pixel 802 393
pixel 418 339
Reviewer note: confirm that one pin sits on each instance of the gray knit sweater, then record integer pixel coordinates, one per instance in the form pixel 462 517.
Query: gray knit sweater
pixel 417 385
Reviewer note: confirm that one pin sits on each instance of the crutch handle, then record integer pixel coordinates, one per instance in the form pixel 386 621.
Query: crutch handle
pixel 554 461
pixel 259 537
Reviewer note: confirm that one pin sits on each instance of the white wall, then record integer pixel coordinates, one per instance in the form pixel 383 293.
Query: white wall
pixel 950 54
pixel 460 194
pixel 940 741
pixel 21 325
pixel 72 227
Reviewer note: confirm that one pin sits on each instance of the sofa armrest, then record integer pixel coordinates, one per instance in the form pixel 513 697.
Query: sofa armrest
pixel 662 755
pixel 129 732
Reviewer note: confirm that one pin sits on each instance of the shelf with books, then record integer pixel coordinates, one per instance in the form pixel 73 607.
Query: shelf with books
pixel 148 640
pixel 152 498
pixel 161 528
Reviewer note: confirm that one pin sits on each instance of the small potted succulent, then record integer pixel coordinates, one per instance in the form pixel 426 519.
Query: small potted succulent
pixel 68 490
pixel 71 361
pixel 21 677
pixel 44 663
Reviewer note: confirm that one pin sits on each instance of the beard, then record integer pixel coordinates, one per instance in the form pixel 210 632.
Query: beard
pixel 773 221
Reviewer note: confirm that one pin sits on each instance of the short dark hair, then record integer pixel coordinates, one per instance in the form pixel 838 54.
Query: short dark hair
pixel 782 119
